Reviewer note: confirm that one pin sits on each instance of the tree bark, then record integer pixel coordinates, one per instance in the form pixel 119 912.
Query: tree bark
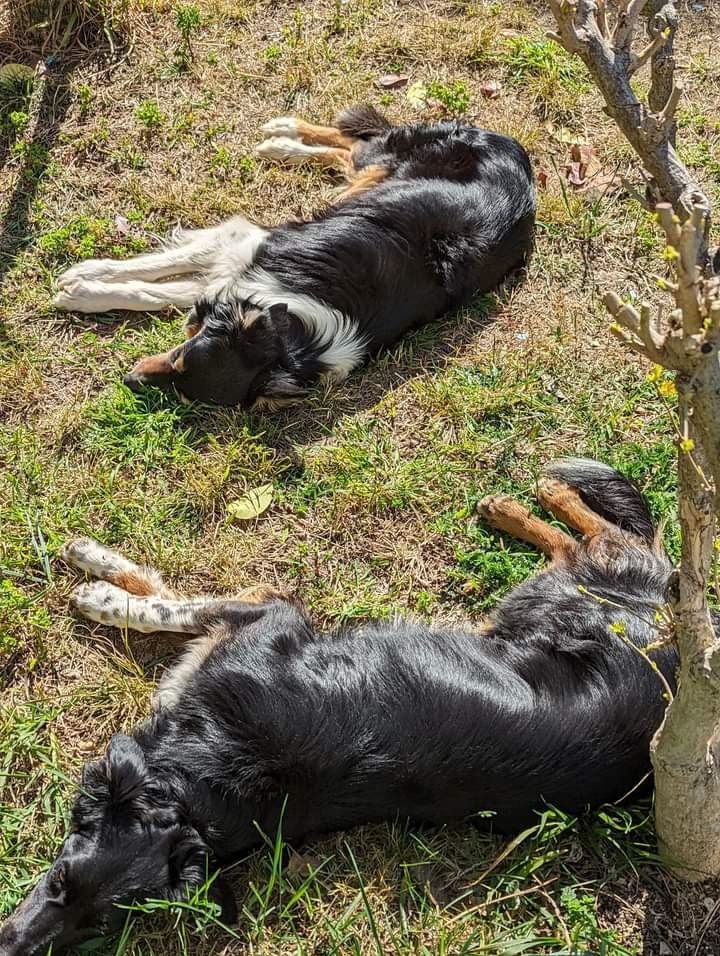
pixel 685 750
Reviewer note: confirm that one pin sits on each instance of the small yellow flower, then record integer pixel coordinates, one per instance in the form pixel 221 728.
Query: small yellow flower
pixel 670 253
pixel 687 445
pixel 667 388
pixel 655 373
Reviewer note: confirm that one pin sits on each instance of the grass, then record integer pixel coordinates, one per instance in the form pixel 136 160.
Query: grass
pixel 374 484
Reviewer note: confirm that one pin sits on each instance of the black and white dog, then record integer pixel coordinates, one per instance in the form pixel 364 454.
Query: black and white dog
pixel 434 214
pixel 263 719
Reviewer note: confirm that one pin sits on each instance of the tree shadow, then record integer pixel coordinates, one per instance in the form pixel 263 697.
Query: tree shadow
pixel 35 155
pixel 55 55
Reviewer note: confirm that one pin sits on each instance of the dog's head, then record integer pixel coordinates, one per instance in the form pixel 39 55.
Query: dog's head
pixel 236 354
pixel 127 843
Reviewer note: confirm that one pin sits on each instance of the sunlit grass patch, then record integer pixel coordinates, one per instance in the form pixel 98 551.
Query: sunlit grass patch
pixel 553 76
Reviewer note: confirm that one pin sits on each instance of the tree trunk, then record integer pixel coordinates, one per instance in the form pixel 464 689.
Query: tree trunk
pixel 685 752
pixel 686 749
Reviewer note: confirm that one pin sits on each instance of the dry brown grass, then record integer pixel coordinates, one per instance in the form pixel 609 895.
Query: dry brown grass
pixel 375 482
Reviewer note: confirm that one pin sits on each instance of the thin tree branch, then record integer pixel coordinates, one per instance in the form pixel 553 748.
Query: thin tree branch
pixel 650 128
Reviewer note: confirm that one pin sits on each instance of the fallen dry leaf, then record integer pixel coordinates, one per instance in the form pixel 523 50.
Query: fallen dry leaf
pixel 542 178
pixel 491 89
pixel 575 174
pixel 583 164
pixel 301 865
pixel 583 153
pixel 416 95
pixel 393 81
pixel 585 173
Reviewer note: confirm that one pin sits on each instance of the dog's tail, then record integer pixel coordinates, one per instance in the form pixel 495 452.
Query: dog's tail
pixel 362 122
pixel 607 492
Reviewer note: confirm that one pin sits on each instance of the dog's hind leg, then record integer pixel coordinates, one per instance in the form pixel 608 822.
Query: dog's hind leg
pixel 291 128
pixel 282 149
pixel 567 506
pixel 100 562
pixel 508 515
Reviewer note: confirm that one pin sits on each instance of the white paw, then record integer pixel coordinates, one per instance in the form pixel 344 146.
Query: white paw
pixel 281 126
pixel 74 296
pixel 89 269
pixel 90 295
pixel 93 558
pixel 282 149
pixel 101 602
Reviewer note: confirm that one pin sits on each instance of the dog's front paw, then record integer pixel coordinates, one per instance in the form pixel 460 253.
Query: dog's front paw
pixel 73 297
pixel 77 552
pixel 90 556
pixel 281 126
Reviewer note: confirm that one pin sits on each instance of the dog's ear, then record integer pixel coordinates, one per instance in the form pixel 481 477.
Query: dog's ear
pixel 190 866
pixel 282 387
pixel 126 769
pixel 115 782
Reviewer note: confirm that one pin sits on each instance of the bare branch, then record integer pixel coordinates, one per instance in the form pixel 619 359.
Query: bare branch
pixel 602 19
pixel 650 128
pixel 639 59
pixel 662 20
pixel 626 23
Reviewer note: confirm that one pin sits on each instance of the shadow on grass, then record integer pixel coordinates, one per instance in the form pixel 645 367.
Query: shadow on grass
pixel 66 36
pixel 425 351
pixel 35 155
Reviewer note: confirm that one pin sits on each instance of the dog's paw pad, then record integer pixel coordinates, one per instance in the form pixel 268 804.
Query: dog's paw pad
pixel 100 602
pixel 77 551
pixel 282 149
pixel 280 126
pixel 492 504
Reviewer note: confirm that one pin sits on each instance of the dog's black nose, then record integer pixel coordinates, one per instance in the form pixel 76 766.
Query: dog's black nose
pixel 134 382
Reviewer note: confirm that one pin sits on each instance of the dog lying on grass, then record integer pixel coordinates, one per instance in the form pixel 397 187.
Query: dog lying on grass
pixel 434 214
pixel 263 720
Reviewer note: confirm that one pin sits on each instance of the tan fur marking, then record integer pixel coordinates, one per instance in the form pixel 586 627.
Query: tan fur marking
pixel 365 179
pixel 134 582
pixel 192 330
pixel 154 365
pixel 566 504
pixel 179 363
pixel 323 136
pixel 259 593
pixel 335 159
pixel 508 515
